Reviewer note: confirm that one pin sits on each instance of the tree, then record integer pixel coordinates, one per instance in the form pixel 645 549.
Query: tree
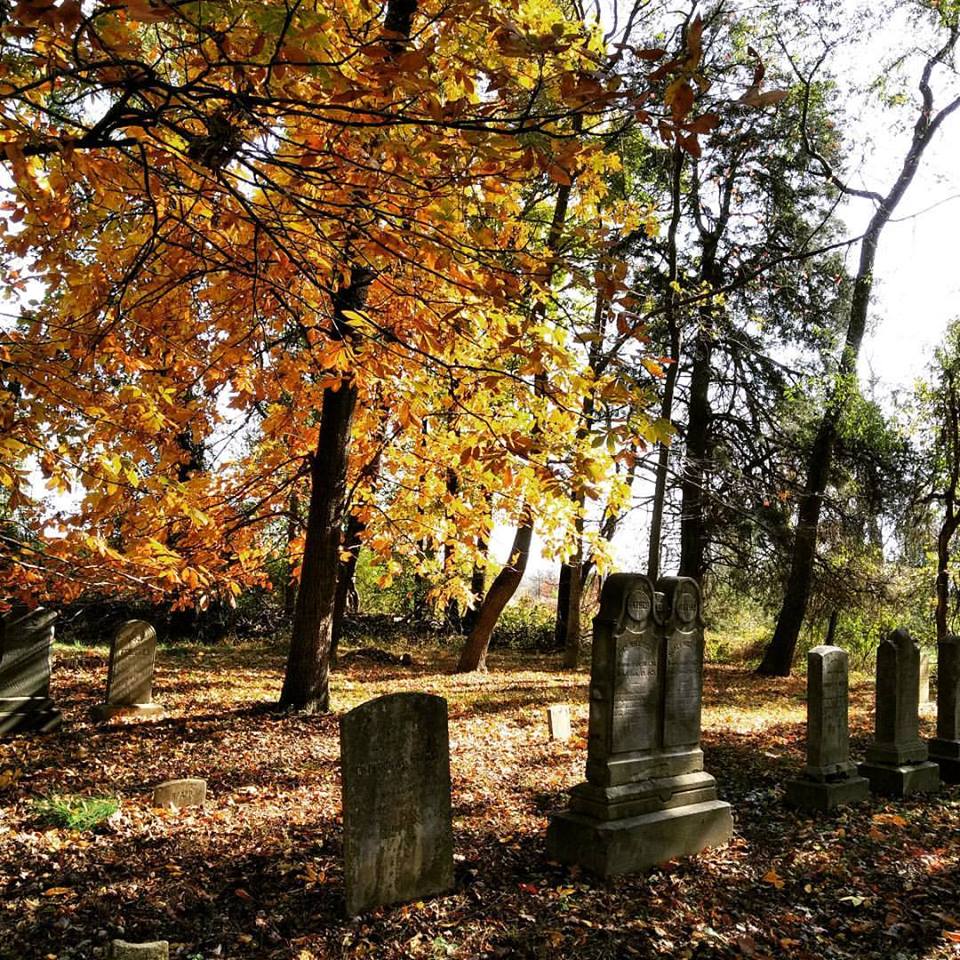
pixel 778 657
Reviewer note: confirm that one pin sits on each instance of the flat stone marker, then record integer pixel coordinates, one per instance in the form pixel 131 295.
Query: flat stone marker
pixel 558 720
pixel 945 748
pixel 180 793
pixel 397 829
pixel 924 678
pixel 26 660
pixel 156 950
pixel 133 654
pixel 647 798
pixel 829 778
pixel 897 762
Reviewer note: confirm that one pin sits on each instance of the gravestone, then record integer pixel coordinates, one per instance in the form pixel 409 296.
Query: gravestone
pixel 130 673
pixel 897 762
pixel 945 748
pixel 155 950
pixel 26 659
pixel 397 830
pixel 180 793
pixel 829 778
pixel 924 678
pixel 558 720
pixel 647 798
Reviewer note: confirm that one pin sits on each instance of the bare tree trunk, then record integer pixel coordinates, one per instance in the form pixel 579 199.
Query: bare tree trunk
pixel 478 583
pixel 474 653
pixel 571 647
pixel 673 370
pixel 290 587
pixel 778 658
pixel 563 606
pixel 345 578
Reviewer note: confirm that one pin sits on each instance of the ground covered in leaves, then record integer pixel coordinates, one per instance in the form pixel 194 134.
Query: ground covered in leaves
pixel 257 872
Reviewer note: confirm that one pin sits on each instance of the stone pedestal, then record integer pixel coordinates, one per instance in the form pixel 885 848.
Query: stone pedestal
pixel 945 747
pixel 897 763
pixel 647 798
pixel 133 654
pixel 829 779
pixel 26 656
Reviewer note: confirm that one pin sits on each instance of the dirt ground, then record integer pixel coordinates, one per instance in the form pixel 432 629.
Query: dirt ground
pixel 257 872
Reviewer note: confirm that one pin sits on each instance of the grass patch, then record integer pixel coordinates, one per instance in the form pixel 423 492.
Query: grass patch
pixel 75 813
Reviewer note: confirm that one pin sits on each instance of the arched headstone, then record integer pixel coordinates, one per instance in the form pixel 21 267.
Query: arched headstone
pixel 26 660
pixel 647 798
pixel 133 655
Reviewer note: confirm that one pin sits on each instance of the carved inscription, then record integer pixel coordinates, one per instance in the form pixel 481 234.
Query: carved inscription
pixel 827 731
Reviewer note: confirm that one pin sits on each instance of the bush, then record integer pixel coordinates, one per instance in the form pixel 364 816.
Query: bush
pixel 76 813
pixel 526 625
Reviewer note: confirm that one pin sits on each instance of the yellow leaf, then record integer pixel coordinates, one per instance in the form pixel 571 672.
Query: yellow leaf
pixel 58 892
pixel 773 879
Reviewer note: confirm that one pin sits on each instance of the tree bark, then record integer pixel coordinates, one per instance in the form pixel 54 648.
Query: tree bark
pixel 563 606
pixel 345 576
pixel 778 658
pixel 474 653
pixel 571 647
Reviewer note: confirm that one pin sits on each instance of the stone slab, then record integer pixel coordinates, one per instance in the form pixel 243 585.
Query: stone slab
pixel 949 768
pixel 190 792
pixel 826 795
pixel 155 950
pixel 397 826
pixel 901 781
pixel 558 722
pixel 133 655
pixel 111 711
pixel 618 847
pixel 28 715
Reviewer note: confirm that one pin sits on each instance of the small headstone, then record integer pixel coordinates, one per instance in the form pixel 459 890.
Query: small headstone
pixel 156 950
pixel 945 749
pixel 897 763
pixel 26 660
pixel 829 778
pixel 180 793
pixel 558 720
pixel 647 798
pixel 397 828
pixel 924 678
pixel 133 654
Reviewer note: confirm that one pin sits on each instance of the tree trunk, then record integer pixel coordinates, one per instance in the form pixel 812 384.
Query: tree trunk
pixel 290 587
pixel 306 684
pixel 673 371
pixel 345 577
pixel 474 653
pixel 563 606
pixel 778 658
pixel 478 583
pixel 571 640
pixel 832 627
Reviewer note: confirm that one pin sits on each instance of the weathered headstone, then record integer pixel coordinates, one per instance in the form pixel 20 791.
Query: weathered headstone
pixel 924 678
pixel 26 659
pixel 558 720
pixel 829 778
pixel 180 793
pixel 647 798
pixel 897 762
pixel 130 673
pixel 397 829
pixel 155 950
pixel 945 749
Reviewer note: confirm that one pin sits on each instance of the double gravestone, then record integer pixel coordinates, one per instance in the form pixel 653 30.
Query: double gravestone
pixel 945 749
pixel 647 798
pixel 26 659
pixel 829 779
pixel 397 830
pixel 133 654
pixel 897 763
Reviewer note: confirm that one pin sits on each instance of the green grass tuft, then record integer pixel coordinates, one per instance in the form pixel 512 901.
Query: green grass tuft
pixel 76 813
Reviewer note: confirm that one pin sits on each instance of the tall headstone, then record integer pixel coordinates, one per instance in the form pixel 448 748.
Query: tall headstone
pixel 829 779
pixel 897 763
pixel 26 659
pixel 924 678
pixel 945 749
pixel 647 798
pixel 558 721
pixel 397 828
pixel 133 654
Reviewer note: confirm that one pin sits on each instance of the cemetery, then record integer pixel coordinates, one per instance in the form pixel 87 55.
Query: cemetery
pixel 479 479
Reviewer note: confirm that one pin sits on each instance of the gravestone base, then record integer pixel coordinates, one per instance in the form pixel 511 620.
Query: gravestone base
pixel 826 794
pixel 110 711
pixel 901 781
pixel 946 754
pixel 612 848
pixel 28 715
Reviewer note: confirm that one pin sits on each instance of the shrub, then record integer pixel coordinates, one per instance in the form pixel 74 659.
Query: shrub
pixel 526 625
